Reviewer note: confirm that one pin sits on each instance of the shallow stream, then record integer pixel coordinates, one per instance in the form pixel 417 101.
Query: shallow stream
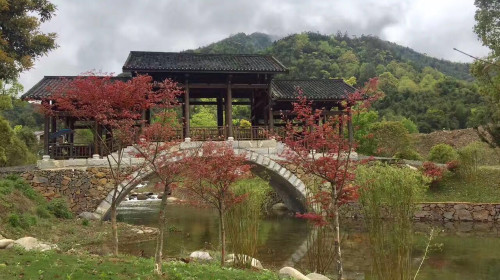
pixel 460 251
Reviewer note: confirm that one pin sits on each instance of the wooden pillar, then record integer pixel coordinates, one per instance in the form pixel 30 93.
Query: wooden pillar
pixel 270 117
pixel 220 112
pixel 229 109
pixel 72 127
pixel 96 139
pixel 186 111
pixel 53 127
pixel 252 109
pixel 46 134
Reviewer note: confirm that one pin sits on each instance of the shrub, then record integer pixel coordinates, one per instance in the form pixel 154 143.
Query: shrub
pixel 12 182
pixel 434 172
pixel 245 124
pixel 59 208
pixel 390 192
pixel 409 154
pixel 43 212
pixel 14 220
pixel 388 138
pixel 243 220
pixel 24 221
pixel 442 153
pixel 453 165
pixel 470 157
pixel 85 222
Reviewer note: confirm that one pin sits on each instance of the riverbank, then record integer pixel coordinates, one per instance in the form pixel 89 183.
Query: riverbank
pixel 17 264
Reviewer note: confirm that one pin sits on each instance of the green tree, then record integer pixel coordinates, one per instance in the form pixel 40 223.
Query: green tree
pixel 205 117
pixel 487 71
pixel 407 85
pixel 487 17
pixel 389 138
pixel 442 153
pixel 13 151
pixel 388 83
pixel 21 40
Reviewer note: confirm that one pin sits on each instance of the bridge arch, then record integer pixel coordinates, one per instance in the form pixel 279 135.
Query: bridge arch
pixel 287 185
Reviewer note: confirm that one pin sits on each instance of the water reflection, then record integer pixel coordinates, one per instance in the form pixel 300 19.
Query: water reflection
pixel 468 251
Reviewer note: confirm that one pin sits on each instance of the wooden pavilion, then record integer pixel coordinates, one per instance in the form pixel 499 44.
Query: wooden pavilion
pixel 223 79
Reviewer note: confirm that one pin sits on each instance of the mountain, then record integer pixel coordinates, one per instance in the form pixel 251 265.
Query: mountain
pixel 240 44
pixel 434 93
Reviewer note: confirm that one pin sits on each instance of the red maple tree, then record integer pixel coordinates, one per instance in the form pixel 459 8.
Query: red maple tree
pixel 213 170
pixel 314 142
pixel 116 105
pixel 158 146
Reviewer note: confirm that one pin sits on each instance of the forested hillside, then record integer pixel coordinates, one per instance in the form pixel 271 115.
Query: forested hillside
pixel 434 93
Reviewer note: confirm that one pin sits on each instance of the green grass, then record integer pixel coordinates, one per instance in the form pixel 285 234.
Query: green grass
pixel 16 264
pixel 484 188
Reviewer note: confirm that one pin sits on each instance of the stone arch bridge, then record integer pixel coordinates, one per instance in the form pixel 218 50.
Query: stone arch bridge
pixel 87 183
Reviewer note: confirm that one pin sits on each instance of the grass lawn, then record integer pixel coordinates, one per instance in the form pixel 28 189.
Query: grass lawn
pixel 485 187
pixel 19 264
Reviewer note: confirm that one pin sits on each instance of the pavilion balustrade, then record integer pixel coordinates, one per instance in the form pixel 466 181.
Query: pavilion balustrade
pixel 70 150
pixel 220 133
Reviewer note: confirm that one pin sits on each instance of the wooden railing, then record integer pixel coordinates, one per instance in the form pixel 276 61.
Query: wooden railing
pixel 220 133
pixel 68 150
pixel 251 133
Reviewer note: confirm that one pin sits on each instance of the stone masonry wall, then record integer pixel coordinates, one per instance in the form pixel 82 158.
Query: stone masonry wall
pixel 443 211
pixel 84 189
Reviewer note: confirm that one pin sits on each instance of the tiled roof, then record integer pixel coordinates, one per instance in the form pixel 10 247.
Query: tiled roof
pixel 196 62
pixel 49 84
pixel 316 89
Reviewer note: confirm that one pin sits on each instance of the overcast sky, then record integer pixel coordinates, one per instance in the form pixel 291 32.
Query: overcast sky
pixel 98 35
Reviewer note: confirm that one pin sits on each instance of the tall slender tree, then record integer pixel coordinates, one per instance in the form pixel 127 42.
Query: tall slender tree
pixel 315 145
pixel 214 169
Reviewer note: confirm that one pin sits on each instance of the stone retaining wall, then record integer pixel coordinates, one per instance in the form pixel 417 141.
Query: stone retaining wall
pixel 447 211
pixel 83 188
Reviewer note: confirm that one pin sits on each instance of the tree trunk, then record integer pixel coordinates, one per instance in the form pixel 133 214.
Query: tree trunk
pixel 162 219
pixel 222 235
pixel 336 226
pixel 114 227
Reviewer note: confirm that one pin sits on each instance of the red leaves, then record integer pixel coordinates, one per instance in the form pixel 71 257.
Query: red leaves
pixel 213 170
pixel 316 219
pixel 109 100
pixel 433 171
pixel 315 143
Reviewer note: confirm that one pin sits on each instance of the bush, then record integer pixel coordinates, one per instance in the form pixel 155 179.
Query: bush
pixel 43 212
pixel 14 220
pixel 24 221
pixel 442 153
pixel 13 182
pixel 434 172
pixel 85 222
pixel 59 208
pixel 470 157
pixel 388 138
pixel 409 154
pixel 390 192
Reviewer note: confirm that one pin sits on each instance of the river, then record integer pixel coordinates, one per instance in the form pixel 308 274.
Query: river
pixel 460 251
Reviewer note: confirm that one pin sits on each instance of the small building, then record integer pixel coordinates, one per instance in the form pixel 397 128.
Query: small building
pixel 221 80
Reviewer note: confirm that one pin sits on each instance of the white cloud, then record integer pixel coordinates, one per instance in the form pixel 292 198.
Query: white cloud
pixel 99 34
